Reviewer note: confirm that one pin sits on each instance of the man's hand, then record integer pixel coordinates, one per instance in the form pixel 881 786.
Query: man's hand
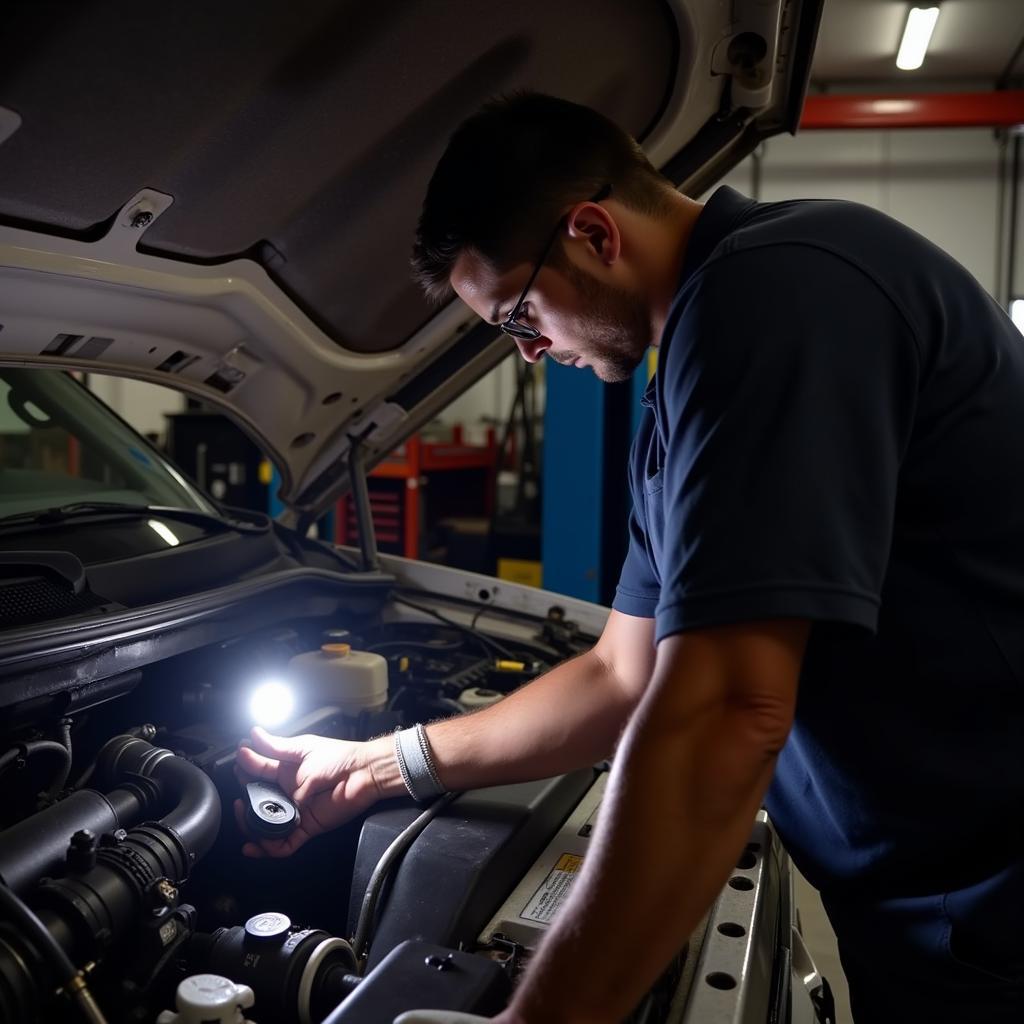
pixel 330 780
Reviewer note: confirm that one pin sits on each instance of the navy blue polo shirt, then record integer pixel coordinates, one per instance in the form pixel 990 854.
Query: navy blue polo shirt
pixel 835 432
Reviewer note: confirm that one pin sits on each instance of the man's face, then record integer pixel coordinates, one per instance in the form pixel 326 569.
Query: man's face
pixel 583 321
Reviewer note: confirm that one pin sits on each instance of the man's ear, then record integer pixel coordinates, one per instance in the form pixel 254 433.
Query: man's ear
pixel 593 225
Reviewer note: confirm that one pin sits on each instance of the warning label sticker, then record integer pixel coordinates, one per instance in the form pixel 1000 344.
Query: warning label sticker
pixel 553 890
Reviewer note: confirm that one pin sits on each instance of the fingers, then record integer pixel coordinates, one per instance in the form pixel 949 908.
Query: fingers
pixel 284 748
pixel 310 786
pixel 284 847
pixel 240 817
pixel 256 765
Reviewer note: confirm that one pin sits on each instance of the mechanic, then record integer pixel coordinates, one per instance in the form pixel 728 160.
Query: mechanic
pixel 820 609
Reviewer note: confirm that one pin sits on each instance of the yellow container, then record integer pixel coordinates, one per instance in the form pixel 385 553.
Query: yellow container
pixel 520 570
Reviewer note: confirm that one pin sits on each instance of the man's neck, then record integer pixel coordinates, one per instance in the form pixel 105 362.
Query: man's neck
pixel 670 246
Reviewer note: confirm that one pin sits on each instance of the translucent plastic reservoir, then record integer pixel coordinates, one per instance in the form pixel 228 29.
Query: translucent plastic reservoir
pixel 355 681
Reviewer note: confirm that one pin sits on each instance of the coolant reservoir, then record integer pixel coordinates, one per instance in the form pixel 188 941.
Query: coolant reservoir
pixel 355 681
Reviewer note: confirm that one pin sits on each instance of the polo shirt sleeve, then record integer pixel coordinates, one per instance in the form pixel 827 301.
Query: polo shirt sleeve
pixel 788 389
pixel 638 589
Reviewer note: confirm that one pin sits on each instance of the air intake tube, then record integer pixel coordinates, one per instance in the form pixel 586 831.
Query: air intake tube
pixel 144 781
pixel 114 886
pixel 36 846
pixel 189 794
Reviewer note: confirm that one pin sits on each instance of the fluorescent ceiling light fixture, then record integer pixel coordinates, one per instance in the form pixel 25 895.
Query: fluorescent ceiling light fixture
pixel 164 532
pixel 1017 314
pixel 916 37
pixel 889 106
pixel 271 703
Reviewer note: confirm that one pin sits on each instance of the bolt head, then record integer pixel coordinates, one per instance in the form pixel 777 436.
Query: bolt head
pixel 439 963
pixel 141 218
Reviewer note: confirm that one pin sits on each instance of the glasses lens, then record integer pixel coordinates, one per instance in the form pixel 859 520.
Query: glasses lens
pixel 515 329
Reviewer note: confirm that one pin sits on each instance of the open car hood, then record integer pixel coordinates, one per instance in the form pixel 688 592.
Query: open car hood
pixel 222 199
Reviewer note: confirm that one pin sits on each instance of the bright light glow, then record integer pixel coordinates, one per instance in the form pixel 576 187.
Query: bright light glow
pixel 892 106
pixel 1017 314
pixel 916 37
pixel 164 532
pixel 271 703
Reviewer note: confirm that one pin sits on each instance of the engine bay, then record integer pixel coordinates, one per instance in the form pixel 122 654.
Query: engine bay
pixel 117 836
pixel 122 863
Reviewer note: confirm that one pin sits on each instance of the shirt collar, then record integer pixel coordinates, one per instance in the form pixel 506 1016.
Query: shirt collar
pixel 715 221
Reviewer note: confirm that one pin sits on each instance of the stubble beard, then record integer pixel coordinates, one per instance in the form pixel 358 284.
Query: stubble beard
pixel 614 333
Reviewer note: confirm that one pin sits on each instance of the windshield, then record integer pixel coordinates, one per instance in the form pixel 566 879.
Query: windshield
pixel 60 445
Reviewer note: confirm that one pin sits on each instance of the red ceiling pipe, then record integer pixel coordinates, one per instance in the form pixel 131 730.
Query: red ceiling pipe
pixel 928 110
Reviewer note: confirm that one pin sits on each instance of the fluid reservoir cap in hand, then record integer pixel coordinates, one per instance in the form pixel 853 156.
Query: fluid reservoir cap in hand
pixel 268 925
pixel 269 812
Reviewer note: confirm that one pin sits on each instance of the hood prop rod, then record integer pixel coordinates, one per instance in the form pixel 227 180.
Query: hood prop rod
pixel 361 500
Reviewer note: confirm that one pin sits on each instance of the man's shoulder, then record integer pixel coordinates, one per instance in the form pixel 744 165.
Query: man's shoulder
pixel 809 220
pixel 762 285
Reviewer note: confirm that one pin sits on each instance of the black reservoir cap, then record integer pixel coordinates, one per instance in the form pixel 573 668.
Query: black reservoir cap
pixel 269 813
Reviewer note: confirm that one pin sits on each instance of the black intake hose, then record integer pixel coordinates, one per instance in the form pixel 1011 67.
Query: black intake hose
pixel 188 791
pixel 148 779
pixel 111 888
pixel 36 846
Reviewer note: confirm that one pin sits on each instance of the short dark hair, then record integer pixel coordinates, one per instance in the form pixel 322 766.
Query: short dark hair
pixel 511 170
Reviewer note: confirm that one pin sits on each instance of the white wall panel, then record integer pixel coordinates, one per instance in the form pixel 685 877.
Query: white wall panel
pixel 942 183
pixel 1018 284
pixel 142 405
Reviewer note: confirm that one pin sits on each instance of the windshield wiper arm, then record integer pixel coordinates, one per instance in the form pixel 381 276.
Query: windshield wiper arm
pixel 81 509
pixel 58 513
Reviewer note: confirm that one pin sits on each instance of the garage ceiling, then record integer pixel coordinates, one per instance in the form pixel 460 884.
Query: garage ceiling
pixel 974 40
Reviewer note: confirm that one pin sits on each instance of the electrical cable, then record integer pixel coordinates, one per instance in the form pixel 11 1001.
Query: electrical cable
pixel 62 778
pixel 417 645
pixel 398 846
pixel 476 615
pixel 69 978
pixel 481 637
pixel 26 750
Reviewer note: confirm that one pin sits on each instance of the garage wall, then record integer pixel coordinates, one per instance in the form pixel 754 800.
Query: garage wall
pixel 140 404
pixel 942 183
pixel 490 399
pixel 1018 284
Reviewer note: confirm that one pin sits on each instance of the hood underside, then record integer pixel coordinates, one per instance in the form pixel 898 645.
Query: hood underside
pixel 223 200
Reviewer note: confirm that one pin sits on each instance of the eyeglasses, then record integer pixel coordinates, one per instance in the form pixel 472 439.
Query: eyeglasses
pixel 511 325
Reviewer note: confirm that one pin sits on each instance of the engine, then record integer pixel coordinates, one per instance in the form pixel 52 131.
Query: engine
pixel 125 896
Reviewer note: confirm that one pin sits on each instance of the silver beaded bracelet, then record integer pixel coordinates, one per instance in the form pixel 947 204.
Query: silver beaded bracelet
pixel 416 764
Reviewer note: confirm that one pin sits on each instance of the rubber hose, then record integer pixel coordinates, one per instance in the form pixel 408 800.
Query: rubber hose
pixel 27 750
pixel 65 972
pixel 187 789
pixel 62 779
pixel 398 846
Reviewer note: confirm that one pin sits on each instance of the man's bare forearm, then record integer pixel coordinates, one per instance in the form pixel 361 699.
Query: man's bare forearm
pixel 568 718
pixel 639 893
pixel 689 776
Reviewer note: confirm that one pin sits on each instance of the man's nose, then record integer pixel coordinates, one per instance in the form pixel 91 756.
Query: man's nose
pixel 532 350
